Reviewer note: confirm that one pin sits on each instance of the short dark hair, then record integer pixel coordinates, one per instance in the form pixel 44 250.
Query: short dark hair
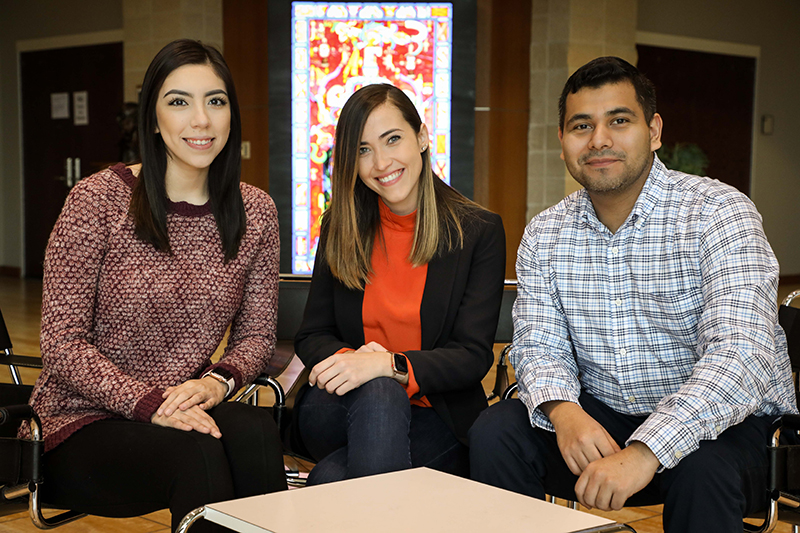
pixel 149 200
pixel 603 71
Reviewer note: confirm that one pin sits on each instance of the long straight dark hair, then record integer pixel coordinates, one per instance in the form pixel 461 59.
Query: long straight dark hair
pixel 149 201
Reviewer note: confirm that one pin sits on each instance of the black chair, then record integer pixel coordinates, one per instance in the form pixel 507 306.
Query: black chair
pixel 292 296
pixel 504 335
pixel 286 373
pixel 783 482
pixel 8 358
pixel 20 459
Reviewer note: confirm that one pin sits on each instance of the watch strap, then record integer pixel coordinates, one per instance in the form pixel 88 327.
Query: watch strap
pixel 229 382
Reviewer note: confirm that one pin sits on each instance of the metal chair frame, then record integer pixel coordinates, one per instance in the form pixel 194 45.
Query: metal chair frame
pixel 776 495
pixel 504 335
pixel 30 488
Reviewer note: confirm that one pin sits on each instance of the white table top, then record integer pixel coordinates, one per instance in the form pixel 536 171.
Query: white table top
pixel 419 500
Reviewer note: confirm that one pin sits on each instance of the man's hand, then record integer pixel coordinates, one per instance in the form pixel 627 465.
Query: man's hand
pixel 192 419
pixel 608 482
pixel 581 438
pixel 340 373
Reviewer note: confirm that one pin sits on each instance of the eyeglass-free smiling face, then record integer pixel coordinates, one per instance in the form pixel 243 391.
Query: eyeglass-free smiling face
pixel 606 142
pixel 194 119
pixel 389 158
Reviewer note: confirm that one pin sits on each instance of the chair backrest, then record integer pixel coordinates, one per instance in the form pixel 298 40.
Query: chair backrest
pixel 5 339
pixel 788 318
pixel 505 325
pixel 292 296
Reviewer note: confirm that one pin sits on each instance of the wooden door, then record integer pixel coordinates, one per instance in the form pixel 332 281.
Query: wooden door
pixel 706 99
pixel 70 101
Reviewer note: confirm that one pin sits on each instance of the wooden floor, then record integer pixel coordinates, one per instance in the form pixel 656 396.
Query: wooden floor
pixel 20 302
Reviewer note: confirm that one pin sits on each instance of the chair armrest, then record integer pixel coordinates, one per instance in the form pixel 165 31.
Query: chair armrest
pixel 790 422
pixel 16 413
pixel 284 351
pixel 21 360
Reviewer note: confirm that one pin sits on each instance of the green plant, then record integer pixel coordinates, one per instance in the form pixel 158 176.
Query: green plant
pixel 685 157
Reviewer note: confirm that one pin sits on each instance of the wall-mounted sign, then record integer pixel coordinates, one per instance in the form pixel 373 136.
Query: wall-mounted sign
pixel 59 105
pixel 80 103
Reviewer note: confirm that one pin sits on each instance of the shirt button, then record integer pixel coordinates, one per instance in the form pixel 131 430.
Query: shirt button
pixel 615 250
pixel 631 399
pixel 618 301
pixel 623 351
pixel 678 454
pixel 718 428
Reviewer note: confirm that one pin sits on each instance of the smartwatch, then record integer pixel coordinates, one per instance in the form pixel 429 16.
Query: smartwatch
pixel 399 365
pixel 228 382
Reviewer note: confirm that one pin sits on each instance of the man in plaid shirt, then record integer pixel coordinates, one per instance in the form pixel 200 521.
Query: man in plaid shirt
pixel 646 345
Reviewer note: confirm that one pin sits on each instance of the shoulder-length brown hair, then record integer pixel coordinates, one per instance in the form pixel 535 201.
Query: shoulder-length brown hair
pixel 352 221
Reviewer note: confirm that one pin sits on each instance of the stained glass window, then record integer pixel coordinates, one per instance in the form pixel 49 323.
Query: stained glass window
pixel 339 47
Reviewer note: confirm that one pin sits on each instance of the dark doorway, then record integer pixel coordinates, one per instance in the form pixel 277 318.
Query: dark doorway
pixel 70 100
pixel 706 99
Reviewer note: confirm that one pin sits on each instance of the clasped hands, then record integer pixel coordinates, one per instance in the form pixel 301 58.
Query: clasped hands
pixel 608 475
pixel 342 372
pixel 185 405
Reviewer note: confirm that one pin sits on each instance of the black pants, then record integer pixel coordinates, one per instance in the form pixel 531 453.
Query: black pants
pixel 122 468
pixel 710 490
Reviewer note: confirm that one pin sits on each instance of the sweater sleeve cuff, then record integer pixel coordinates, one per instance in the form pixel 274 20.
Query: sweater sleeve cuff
pixel 148 405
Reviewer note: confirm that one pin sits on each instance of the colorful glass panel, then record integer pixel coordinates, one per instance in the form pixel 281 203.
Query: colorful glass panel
pixel 339 47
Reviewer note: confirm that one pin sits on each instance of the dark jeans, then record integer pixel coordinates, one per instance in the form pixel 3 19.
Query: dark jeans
pixel 710 490
pixel 123 468
pixel 372 430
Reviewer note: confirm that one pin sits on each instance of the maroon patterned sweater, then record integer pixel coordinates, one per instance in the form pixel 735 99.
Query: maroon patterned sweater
pixel 121 321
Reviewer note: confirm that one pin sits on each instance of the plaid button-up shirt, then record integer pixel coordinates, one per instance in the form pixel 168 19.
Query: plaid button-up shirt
pixel 673 316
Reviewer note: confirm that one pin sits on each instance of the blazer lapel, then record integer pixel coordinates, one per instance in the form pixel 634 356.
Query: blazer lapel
pixel 436 298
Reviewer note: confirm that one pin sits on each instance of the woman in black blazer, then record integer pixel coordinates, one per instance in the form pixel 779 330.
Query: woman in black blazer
pixel 403 305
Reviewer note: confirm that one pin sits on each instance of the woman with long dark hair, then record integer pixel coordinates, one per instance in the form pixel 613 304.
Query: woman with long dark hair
pixel 146 268
pixel 403 305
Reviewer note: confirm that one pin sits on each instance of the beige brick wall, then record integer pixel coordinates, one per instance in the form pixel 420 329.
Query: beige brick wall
pixel 150 24
pixel 566 34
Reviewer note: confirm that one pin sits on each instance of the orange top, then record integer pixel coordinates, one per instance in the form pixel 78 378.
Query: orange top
pixel 393 296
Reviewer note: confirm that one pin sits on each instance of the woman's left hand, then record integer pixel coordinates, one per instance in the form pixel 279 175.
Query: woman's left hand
pixel 205 393
pixel 342 372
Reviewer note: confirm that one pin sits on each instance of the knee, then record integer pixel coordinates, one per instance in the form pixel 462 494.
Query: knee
pixel 382 393
pixel 242 420
pixel 707 472
pixel 202 468
pixel 497 426
pixel 385 388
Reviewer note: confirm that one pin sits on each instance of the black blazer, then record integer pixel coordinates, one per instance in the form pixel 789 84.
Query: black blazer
pixel 459 312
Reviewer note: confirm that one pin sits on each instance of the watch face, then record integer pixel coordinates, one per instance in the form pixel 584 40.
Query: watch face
pixel 400 363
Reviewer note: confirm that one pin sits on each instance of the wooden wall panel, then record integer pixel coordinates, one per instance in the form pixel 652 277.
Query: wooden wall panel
pixel 502 115
pixel 244 26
